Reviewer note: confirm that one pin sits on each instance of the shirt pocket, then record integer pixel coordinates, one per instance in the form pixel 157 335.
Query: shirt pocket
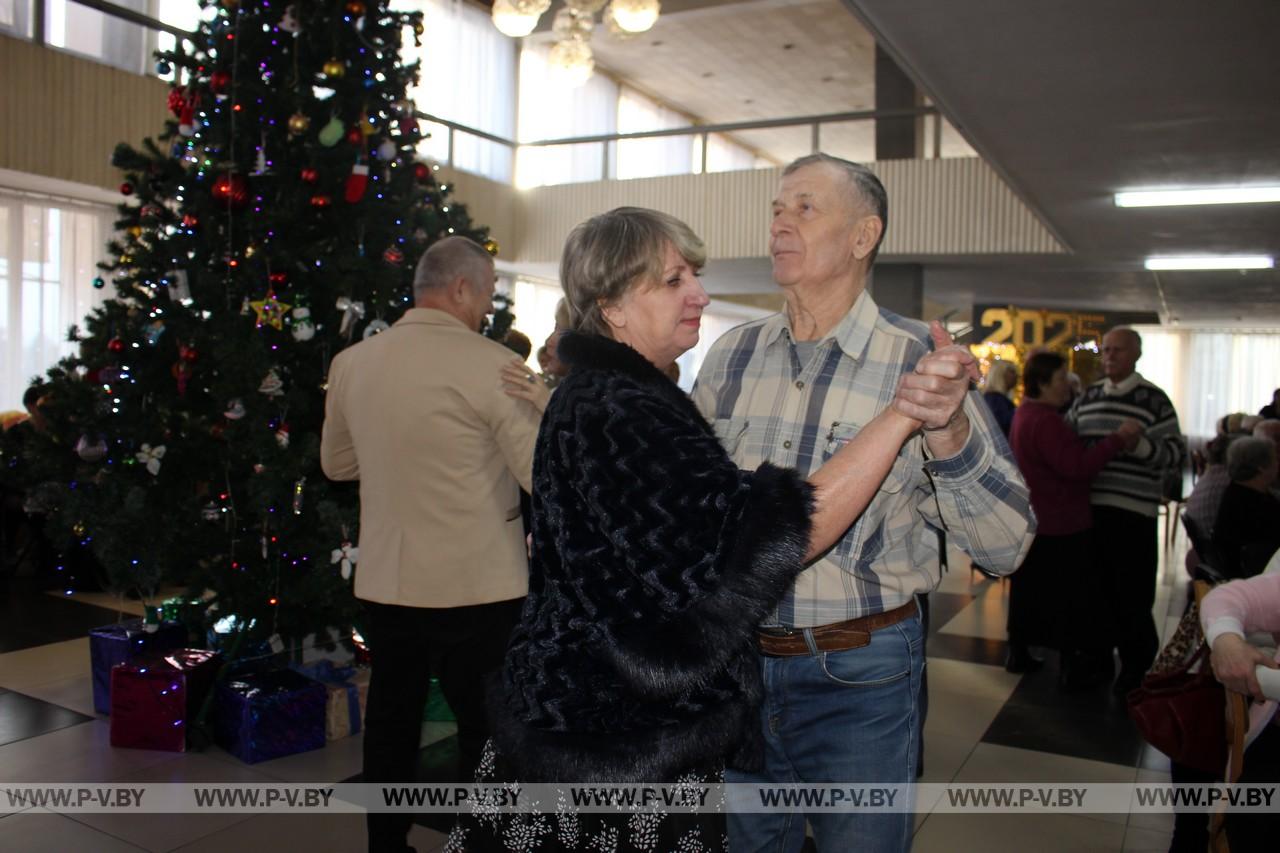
pixel 906 467
pixel 731 432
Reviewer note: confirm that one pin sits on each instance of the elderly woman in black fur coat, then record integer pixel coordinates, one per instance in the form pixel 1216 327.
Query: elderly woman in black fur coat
pixel 653 556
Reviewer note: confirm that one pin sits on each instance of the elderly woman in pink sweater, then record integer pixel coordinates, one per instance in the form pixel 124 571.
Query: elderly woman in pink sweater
pixel 1228 614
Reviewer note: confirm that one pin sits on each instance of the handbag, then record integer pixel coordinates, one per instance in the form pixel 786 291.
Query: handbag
pixel 1182 712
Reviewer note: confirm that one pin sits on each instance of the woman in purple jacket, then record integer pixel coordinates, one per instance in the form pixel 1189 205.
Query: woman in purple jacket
pixel 1058 569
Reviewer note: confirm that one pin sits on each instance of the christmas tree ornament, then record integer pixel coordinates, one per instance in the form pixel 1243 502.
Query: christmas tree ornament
pixel 375 327
pixel 163 68
pixel 153 332
pixel 301 326
pixel 331 133
pixel 282 436
pixel 334 69
pixel 351 312
pixel 177 101
pixel 230 189
pixel 270 310
pixel 346 555
pixel 321 201
pixel 190 220
pixel 309 175
pixel 356 183
pixel 187 115
pixel 181 372
pixel 387 150
pixel 211 512
pixel 418 29
pixel 422 172
pixel 366 126
pixel 179 286
pixel 355 8
pixel 235 410
pixel 272 385
pixel 99 283
pixel 491 246
pixel 220 83
pixel 188 354
pixel 150 457
pixel 126 188
pixel 289 22
pixel 251 250
pixel 260 165
pixel 299 124
pixel 91 449
pixel 354 136
pixel 135 231
pixel 110 374
pixel 115 345
pixel 78 529
pixel 278 279
pixel 298 488
pixel 231 4
pixel 393 256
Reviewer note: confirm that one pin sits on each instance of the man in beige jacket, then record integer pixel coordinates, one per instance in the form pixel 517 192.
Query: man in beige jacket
pixel 418 416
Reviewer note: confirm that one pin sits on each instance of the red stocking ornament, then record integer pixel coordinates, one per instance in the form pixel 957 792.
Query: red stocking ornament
pixel 356 184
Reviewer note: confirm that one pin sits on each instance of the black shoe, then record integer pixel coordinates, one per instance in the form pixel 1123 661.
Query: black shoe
pixel 1021 660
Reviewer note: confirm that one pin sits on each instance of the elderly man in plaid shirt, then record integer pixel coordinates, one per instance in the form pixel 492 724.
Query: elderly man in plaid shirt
pixel 842 656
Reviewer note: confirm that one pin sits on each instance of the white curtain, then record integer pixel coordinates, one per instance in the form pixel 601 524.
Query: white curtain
pixel 48 259
pixel 1209 373
pixel 467 75
pixel 660 155
pixel 550 109
pixel 725 155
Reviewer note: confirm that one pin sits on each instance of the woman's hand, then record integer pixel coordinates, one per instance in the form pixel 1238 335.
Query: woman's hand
pixel 1234 661
pixel 521 382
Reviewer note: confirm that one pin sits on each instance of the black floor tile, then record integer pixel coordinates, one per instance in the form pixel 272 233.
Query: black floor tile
pixel 30 617
pixel 22 717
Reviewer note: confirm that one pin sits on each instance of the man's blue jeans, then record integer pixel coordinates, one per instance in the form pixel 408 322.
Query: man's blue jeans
pixel 848 716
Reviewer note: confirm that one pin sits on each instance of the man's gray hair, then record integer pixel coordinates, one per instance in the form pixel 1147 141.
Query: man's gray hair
pixel 866 187
pixel 445 260
pixel 1248 457
pixel 609 254
pixel 1137 338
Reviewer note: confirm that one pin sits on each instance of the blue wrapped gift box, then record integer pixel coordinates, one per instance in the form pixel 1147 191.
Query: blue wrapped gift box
pixel 263 715
pixel 121 643
pixel 343 709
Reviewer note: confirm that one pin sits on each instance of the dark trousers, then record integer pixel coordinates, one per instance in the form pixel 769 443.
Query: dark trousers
pixel 1128 552
pixel 461 645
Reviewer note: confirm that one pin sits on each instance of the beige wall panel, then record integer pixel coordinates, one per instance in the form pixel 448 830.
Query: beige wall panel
pixel 936 207
pixel 62 115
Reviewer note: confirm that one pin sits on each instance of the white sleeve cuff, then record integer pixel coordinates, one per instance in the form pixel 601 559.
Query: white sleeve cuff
pixel 1222 625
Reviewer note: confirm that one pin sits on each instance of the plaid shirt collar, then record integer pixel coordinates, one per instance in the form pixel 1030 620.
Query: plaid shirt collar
pixel 852 334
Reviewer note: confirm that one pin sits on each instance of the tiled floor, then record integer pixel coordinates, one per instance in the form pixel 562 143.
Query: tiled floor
pixel 983 725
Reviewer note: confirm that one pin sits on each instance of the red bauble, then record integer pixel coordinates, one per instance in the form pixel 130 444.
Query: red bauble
pixel 126 188
pixel 217 430
pixel 421 171
pixel 188 354
pixel 278 279
pixel 220 82
pixel 354 136
pixel 321 200
pixel 393 256
pixel 176 101
pixel 309 175
pixel 115 345
pixel 231 189
pixel 190 221
pixel 355 8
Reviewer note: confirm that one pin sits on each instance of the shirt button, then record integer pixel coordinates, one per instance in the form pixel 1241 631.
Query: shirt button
pixel 787 445
pixel 799 383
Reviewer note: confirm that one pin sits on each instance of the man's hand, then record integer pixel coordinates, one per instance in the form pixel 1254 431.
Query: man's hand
pixel 1130 430
pixel 1234 663
pixel 934 394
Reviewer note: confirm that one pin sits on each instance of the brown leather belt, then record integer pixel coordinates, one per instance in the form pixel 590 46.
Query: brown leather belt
pixel 837 637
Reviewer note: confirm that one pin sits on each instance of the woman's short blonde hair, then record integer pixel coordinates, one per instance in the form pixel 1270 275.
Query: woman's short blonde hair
pixel 609 254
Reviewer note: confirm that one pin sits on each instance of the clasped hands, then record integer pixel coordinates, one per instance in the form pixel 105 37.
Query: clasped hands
pixel 933 394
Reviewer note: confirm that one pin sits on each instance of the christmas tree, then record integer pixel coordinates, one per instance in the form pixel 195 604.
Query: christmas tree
pixel 276 219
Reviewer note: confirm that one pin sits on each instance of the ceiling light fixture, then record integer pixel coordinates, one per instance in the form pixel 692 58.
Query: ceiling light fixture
pixel 1206 195
pixel 1212 262
pixel 571 57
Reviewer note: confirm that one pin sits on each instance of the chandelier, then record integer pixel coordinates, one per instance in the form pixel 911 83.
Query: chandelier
pixel 571 56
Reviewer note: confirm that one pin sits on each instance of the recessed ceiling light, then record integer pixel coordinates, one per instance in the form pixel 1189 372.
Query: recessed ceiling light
pixel 1212 262
pixel 1206 195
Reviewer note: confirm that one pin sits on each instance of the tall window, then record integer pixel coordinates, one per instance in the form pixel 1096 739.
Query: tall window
pixel 467 75
pixel 550 109
pixel 114 41
pixel 659 155
pixel 1210 373
pixel 48 260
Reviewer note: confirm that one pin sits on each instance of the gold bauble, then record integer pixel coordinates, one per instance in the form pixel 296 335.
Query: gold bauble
pixel 355 7
pixel 335 68
pixel 299 124
pixel 418 28
pixel 135 230
pixel 251 250
pixel 491 246
pixel 78 528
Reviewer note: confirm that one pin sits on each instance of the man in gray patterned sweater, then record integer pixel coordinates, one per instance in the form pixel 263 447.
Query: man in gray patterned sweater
pixel 1127 494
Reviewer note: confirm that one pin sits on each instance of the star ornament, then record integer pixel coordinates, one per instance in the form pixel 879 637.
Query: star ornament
pixel 270 310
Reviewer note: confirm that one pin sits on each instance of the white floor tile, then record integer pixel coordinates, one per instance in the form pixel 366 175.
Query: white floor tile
pixel 1138 840
pixel 340 759
pixel 38 831
pixel 985 617
pixel 75 693
pixel 984 833
pixel 42 664
pixel 81 753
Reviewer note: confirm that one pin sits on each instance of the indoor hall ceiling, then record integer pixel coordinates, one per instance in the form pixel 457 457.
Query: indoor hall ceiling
pixel 1072 102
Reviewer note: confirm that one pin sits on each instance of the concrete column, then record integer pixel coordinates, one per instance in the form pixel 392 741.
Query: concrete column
pixel 899 288
pixel 896 138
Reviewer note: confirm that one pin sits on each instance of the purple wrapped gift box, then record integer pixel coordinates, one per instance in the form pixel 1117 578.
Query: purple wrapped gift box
pixel 122 642
pixel 264 715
